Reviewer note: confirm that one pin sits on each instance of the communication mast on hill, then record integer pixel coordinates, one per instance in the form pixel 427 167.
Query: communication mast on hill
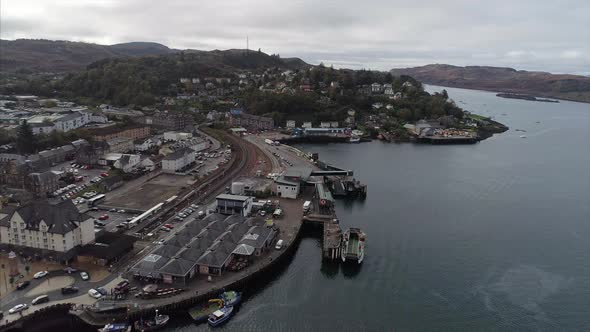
pixel 247 45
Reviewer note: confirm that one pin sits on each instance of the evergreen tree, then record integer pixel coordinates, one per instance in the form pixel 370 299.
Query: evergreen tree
pixel 25 139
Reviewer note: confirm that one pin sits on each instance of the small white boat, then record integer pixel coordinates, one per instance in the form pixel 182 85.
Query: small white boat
pixel 354 139
pixel 522 136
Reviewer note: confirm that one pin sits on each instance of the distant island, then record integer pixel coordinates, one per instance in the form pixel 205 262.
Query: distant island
pixel 525 97
pixel 504 80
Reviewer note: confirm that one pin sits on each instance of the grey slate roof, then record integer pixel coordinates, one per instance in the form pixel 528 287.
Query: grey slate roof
pixel 208 242
pixel 178 154
pixel 166 250
pixel 60 218
pixel 229 197
pixel 257 236
pixel 177 267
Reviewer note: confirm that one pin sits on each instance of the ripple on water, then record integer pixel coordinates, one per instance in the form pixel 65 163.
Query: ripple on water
pixel 526 287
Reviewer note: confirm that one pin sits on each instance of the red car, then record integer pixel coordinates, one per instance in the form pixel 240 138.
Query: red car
pixel 104 175
pixel 103 217
pixel 169 226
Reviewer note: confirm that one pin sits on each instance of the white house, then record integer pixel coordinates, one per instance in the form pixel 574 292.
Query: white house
pixel 72 121
pixel 58 227
pixel 334 124
pixel 287 188
pixel 376 88
pixel 234 204
pixel 290 123
pixel 127 162
pixel 177 160
pixel 144 145
pixel 306 125
pixel 98 118
pixel 151 163
pixel 176 136
pixel 324 124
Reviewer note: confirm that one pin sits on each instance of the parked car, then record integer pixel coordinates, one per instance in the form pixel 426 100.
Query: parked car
pixel 69 290
pixel 99 224
pixel 40 299
pixel 169 226
pixel 102 291
pixel 121 211
pixel 40 274
pixel 103 217
pixel 104 175
pixel 18 308
pixel 165 229
pixel 84 275
pixel 94 293
pixel 122 287
pixel 22 285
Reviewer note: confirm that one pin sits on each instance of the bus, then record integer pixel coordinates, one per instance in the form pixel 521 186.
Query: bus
pixel 170 200
pixel 96 200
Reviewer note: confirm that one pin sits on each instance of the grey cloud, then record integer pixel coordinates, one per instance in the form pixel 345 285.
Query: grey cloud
pixel 377 34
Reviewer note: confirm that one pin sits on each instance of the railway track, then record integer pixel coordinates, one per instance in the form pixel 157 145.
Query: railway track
pixel 243 158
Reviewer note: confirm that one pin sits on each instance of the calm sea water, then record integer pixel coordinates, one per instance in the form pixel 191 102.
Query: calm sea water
pixel 491 236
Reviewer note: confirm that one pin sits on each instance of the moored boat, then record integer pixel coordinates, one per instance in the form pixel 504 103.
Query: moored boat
pixel 155 323
pixel 353 245
pixel 231 298
pixel 201 312
pixel 120 327
pixel 220 316
pixel 354 139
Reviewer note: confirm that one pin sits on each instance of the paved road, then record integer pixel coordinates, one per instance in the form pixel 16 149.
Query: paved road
pixel 18 296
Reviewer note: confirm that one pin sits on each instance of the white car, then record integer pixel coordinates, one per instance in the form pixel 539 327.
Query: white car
pixel 40 274
pixel 18 308
pixel 94 293
pixel 84 275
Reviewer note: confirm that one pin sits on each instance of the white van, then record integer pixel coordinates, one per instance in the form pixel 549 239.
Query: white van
pixel 278 213
pixel 279 245
pixel 306 206
pixel 40 299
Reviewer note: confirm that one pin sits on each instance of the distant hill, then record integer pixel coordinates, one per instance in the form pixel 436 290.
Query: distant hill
pixel 39 55
pixel 540 84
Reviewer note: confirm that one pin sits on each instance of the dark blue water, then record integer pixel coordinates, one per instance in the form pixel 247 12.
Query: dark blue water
pixel 491 236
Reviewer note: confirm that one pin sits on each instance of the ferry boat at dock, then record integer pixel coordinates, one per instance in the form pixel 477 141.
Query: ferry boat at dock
pixel 200 313
pixel 144 325
pixel 220 316
pixel 353 245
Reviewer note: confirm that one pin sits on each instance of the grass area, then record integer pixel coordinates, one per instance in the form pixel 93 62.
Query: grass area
pixel 218 134
pixel 477 117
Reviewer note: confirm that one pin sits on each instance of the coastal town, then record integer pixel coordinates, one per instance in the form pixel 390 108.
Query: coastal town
pixel 126 214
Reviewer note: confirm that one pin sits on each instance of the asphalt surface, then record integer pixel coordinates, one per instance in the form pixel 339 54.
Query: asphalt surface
pixel 19 296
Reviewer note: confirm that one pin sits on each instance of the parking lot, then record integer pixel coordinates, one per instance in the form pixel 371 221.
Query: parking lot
pixel 114 219
pixel 86 174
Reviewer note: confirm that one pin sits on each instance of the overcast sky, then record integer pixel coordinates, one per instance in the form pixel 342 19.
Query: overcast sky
pixel 377 34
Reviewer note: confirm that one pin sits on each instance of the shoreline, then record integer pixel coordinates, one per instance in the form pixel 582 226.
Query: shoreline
pixel 505 91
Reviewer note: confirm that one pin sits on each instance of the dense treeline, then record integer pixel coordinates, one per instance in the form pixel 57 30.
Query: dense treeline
pixel 139 81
